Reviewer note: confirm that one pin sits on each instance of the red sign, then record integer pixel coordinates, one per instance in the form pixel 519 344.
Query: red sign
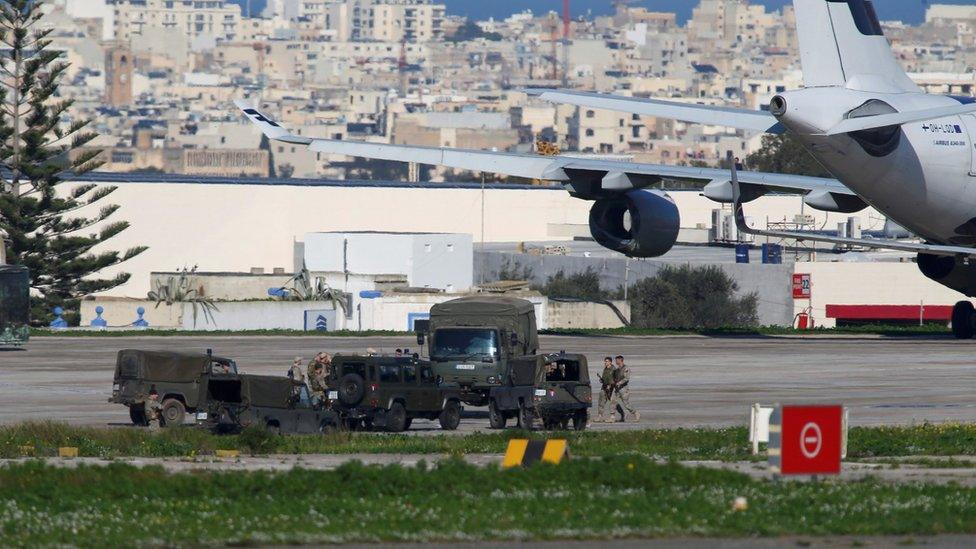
pixel 801 286
pixel 810 440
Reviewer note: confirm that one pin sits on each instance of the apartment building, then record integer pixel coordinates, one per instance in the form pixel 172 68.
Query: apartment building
pixel 189 19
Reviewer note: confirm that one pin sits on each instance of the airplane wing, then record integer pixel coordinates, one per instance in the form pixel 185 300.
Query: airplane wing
pixel 685 112
pixel 932 249
pixel 586 178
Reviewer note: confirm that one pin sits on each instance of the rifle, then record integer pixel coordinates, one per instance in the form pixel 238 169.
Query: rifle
pixel 607 388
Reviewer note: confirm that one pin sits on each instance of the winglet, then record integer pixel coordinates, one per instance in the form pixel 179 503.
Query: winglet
pixel 740 218
pixel 268 126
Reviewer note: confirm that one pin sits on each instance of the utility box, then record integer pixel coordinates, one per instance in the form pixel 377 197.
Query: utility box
pixel 14 305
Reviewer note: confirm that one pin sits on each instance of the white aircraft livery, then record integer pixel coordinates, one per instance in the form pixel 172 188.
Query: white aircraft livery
pixel 910 155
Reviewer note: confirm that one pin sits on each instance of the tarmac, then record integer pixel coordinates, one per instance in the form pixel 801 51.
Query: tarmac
pixel 677 381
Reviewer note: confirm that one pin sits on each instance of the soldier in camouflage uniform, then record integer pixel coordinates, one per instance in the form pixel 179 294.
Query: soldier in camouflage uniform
pixel 606 392
pixel 317 383
pixel 621 379
pixel 153 410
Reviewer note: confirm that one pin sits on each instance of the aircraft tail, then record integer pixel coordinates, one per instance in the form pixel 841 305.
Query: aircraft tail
pixel 842 44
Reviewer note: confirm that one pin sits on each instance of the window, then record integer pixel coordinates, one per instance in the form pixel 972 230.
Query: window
pixel 465 342
pixel 590 133
pixel 409 374
pixel 590 114
pixel 389 373
pixel 426 374
pixel 357 368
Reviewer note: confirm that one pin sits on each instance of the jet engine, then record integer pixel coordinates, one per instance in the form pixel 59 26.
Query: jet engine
pixel 639 223
pixel 950 272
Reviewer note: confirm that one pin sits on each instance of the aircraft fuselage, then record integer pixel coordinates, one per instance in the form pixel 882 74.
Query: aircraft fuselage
pixel 921 175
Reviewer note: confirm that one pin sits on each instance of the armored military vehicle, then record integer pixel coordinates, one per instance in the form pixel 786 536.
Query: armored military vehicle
pixel 274 402
pixel 14 304
pixel 388 393
pixel 547 390
pixel 179 378
pixel 471 341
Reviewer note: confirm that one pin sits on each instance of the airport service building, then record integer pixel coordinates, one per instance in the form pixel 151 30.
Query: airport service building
pixel 383 253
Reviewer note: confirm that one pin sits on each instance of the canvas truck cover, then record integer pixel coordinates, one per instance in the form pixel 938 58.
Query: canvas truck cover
pixel 268 391
pixel 507 313
pixel 161 365
pixel 14 296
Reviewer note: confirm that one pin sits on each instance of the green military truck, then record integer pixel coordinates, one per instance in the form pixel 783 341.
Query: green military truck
pixel 547 390
pixel 471 340
pixel 179 378
pixel 389 393
pixel 274 402
pixel 14 305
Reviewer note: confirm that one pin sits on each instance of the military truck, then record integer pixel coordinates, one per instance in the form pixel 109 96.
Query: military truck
pixel 179 378
pixel 471 340
pixel 389 392
pixel 274 402
pixel 14 305
pixel 547 390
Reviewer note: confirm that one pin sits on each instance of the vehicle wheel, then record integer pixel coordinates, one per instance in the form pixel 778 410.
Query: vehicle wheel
pixel 368 424
pixel 526 417
pixel 564 424
pixel 580 419
pixel 496 419
pixel 173 413
pixel 451 416
pixel 962 320
pixel 396 418
pixel 138 415
pixel 352 389
pixel 274 428
pixel 407 424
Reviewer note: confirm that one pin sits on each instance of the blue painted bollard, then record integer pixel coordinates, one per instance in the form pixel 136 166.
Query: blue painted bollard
pixel 140 322
pixel 98 321
pixel 59 322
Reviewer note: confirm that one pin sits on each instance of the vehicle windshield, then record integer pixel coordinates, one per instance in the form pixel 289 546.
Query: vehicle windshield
pixel 464 342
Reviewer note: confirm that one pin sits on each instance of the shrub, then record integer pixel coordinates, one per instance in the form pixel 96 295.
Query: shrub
pixel 584 285
pixel 691 298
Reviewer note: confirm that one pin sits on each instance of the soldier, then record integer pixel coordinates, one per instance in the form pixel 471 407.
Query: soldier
pixel 621 378
pixel 295 373
pixel 316 383
pixel 316 360
pixel 606 393
pixel 153 410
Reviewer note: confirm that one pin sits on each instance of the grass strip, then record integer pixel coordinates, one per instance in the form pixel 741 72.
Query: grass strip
pixel 730 444
pixel 928 330
pixel 619 496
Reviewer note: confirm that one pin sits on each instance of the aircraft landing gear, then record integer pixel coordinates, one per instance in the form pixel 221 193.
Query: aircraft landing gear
pixel 963 320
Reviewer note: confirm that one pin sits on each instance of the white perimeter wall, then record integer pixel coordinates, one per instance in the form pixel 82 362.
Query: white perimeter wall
pixel 231 228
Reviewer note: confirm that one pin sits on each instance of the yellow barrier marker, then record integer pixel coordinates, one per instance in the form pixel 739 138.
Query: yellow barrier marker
pixel 227 453
pixel 68 452
pixel 522 452
pixel 26 451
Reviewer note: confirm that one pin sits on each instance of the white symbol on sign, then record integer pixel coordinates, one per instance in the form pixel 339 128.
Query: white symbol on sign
pixel 811 440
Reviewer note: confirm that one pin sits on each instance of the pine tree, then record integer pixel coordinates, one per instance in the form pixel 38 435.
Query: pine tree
pixel 40 142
